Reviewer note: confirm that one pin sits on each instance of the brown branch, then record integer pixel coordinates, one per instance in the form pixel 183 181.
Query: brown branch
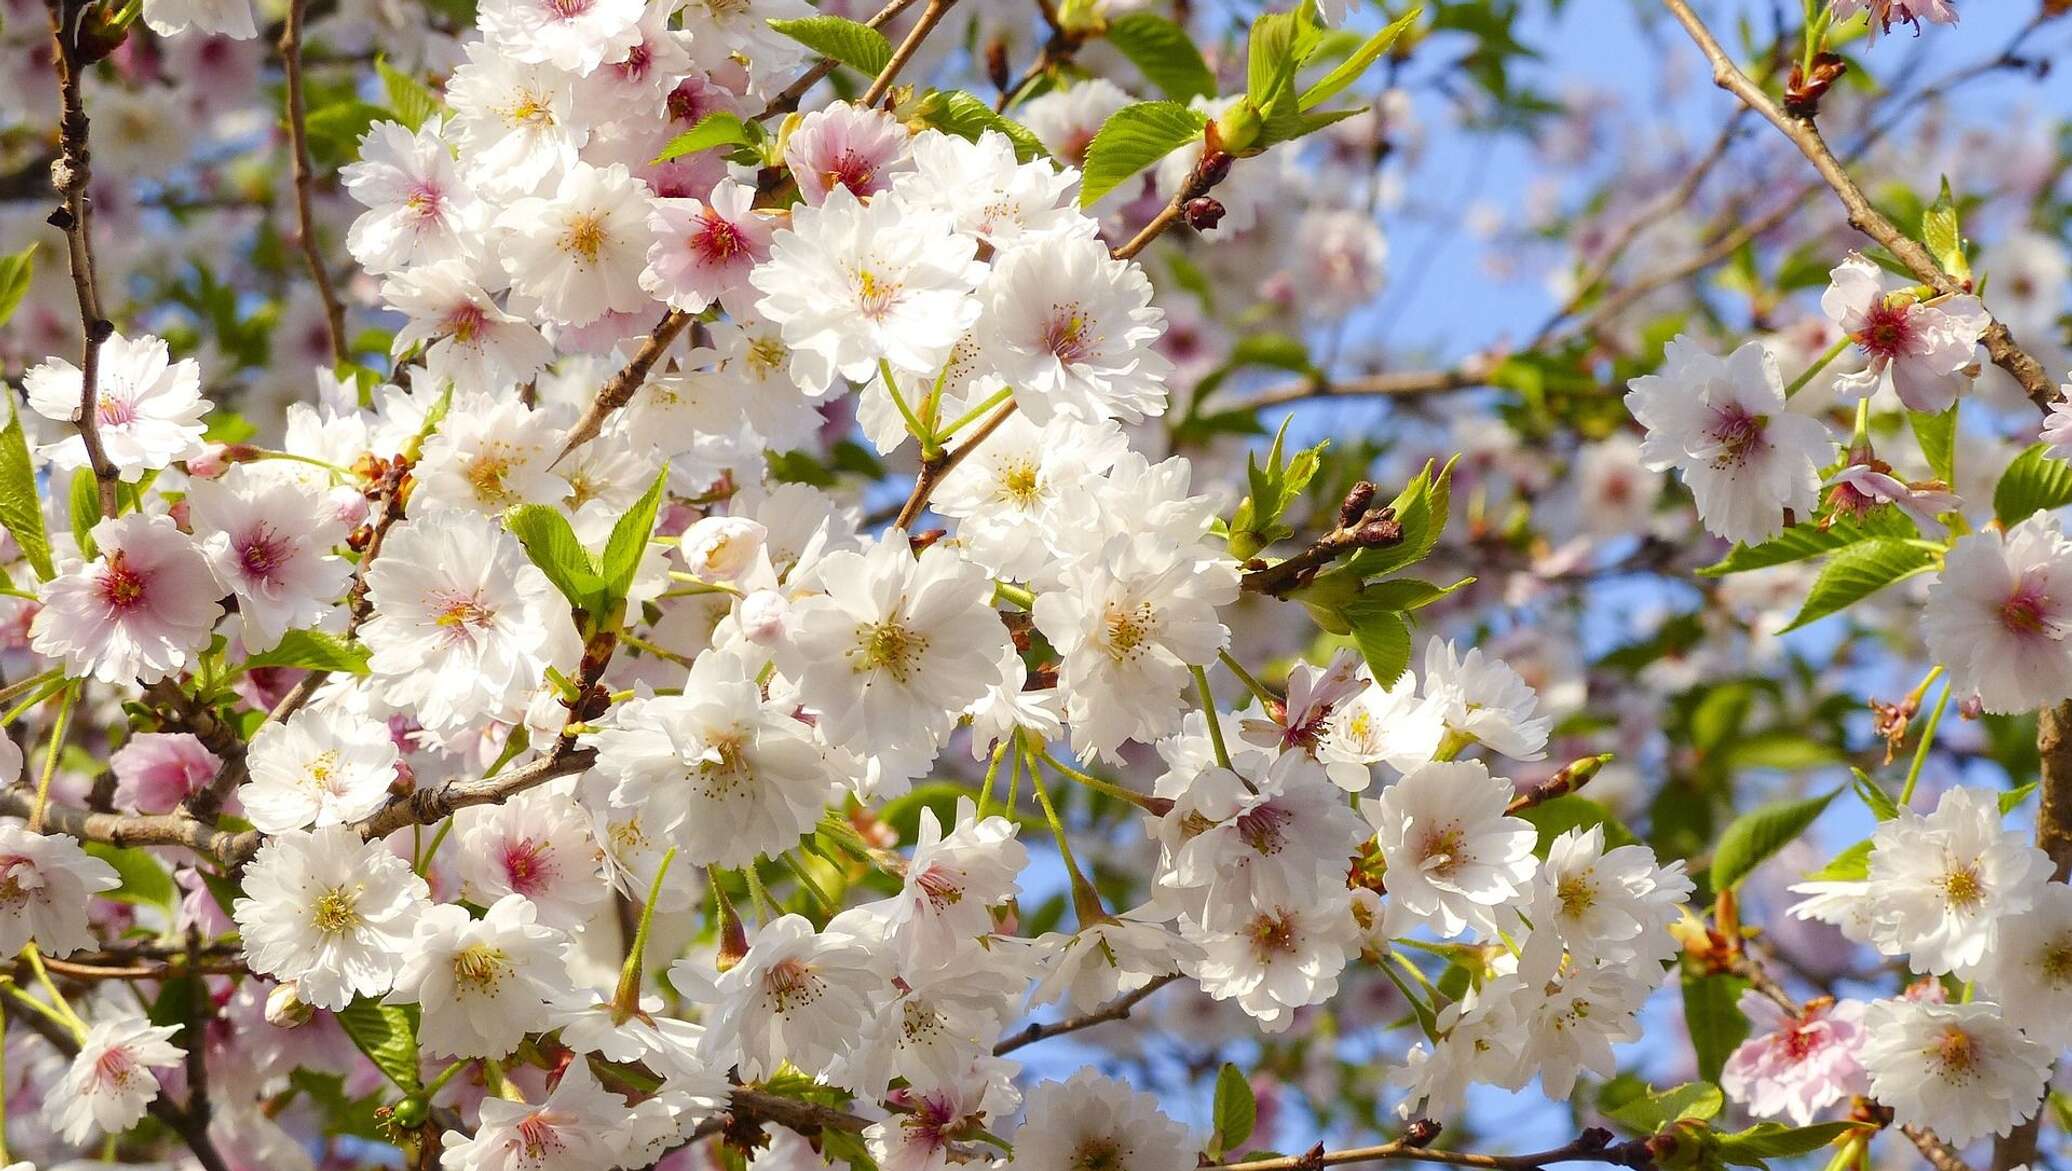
pixel 305 178
pixel 1864 217
pixel 930 17
pixel 1114 1010
pixel 429 806
pixel 789 97
pixel 933 470
pixel 1594 1145
pixel 71 174
pixel 131 829
pixel 621 387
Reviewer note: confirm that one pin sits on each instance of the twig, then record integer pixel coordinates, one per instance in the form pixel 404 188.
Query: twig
pixel 71 174
pixel 621 387
pixel 1999 343
pixel 932 471
pixel 305 178
pixel 930 17
pixel 1594 1145
pixel 1362 524
pixel 428 806
pixel 789 97
pixel 1115 1010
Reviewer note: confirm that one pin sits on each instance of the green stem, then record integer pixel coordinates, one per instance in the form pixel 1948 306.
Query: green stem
pixel 1266 698
pixel 1819 364
pixel 1906 791
pixel 438 1083
pixel 23 707
pixel 915 427
pixel 50 758
pixel 974 414
pixel 1092 782
pixel 626 999
pixel 1014 594
pixel 985 791
pixel 424 861
pixel 1208 711
pixel 807 882
pixel 8 692
pixel 34 956
pixel 1086 902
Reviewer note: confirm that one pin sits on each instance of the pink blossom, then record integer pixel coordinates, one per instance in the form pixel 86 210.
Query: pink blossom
pixel 1797 1065
pixel 1858 488
pixel 704 249
pixel 156 771
pixel 1920 349
pixel 845 146
pixel 1913 12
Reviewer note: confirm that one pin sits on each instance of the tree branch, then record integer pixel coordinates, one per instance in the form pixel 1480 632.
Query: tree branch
pixel 620 389
pixel 71 174
pixel 305 178
pixel 1999 343
pixel 1594 1145
pixel 930 17
pixel 1115 1010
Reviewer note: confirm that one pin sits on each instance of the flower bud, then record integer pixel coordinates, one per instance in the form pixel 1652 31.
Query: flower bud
pixel 285 1008
pixel 723 548
pixel 1203 214
pixel 762 616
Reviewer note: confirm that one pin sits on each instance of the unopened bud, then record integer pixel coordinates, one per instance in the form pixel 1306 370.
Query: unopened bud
pixel 997 68
pixel 1356 504
pixel 762 615
pixel 1421 1131
pixel 285 1008
pixel 1203 214
pixel 1213 168
pixel 723 548
pixel 209 464
pixel 1687 1145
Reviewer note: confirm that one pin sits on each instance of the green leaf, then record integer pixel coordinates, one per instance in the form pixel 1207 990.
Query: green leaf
pixel 1409 593
pixel 1937 435
pixel 21 508
pixel 1562 814
pixel 1940 232
pixel 968 117
pixel 410 100
pixel 1383 638
pixel 1164 53
pixel 2013 798
pixel 1880 803
pixel 1421 509
pixel 1755 836
pixel 335 130
pixel 1280 45
pixel 1774 1140
pixel 552 545
pixel 1287 126
pixel 1352 67
pixel 859 46
pixel 1132 139
pixel 1851 865
pixel 144 879
pixel 1656 1109
pixel 1713 1019
pixel 1801 541
pixel 85 504
pixel 629 539
pixel 2033 482
pixel 387 1034
pixel 316 650
pixel 15 273
pixel 718 128
pixel 1859 571
pixel 1235 1112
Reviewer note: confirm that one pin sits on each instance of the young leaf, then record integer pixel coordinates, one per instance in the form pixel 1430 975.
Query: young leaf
pixel 409 99
pixel 1383 638
pixel 1712 1016
pixel 85 502
pixel 1756 835
pixel 1937 435
pixel 1881 804
pixel 715 129
pixel 1421 509
pixel 315 650
pixel 1280 45
pixel 2033 482
pixel 15 273
pixel 1164 53
pixel 1562 814
pixel 552 545
pixel 21 509
pixel 1801 541
pixel 1349 70
pixel 1132 139
pixel 1940 232
pixel 144 880
pixel 1236 1110
pixel 1774 1140
pixel 387 1034
pixel 628 542
pixel 959 113
pixel 1859 571
pixel 1656 1109
pixel 859 46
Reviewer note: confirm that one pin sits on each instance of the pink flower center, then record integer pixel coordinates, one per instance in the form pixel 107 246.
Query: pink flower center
pixel 528 866
pixel 1263 828
pixel 425 201
pixel 851 170
pixel 717 240
pixel 2025 609
pixel 115 1067
pixel 942 887
pixel 1887 330
pixel 122 588
pixel 115 411
pixel 567 9
pixel 1068 334
pixel 465 321
pixel 539 1136
pixel 263 553
pixel 1737 433
pixel 635 66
